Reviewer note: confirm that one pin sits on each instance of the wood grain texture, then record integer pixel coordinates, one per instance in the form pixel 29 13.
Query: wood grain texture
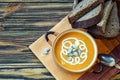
pixel 32 17
pixel 16 60
pixel 22 28
pixel 19 30
pixel 37 1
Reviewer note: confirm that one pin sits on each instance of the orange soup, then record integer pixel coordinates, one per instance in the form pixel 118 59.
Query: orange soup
pixel 75 50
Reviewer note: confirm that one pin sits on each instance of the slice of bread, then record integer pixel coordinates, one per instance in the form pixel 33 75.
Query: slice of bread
pixel 89 19
pixel 83 7
pixel 112 27
pixel 106 12
pixel 75 3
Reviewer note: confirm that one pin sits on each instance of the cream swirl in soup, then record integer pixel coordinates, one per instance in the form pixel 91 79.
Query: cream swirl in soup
pixel 73 51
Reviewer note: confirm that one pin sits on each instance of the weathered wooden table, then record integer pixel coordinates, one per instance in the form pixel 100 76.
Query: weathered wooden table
pixel 20 28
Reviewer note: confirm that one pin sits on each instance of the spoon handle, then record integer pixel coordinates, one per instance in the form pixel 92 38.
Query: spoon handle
pixel 117 66
pixel 100 69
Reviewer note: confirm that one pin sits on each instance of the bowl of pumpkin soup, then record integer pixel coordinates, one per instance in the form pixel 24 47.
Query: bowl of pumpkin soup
pixel 74 50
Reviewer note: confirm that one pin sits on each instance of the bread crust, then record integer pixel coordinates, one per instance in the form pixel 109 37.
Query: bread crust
pixel 77 12
pixel 106 13
pixel 98 36
pixel 91 21
pixel 112 28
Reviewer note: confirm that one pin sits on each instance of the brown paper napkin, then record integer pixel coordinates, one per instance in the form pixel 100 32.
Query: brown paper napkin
pixel 108 72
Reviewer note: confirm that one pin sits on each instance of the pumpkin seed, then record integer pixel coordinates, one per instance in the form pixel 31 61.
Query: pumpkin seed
pixel 74 50
pixel 70 54
pixel 77 43
pixel 75 54
pixel 79 51
pixel 70 50
pixel 75 46
pixel 69 58
pixel 45 51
